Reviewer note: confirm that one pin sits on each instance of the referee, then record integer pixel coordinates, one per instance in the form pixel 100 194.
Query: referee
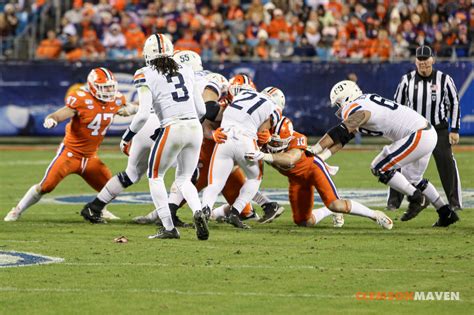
pixel 433 94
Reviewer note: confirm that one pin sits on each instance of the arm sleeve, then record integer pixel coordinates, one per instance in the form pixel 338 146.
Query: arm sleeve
pixel 453 102
pixel 400 94
pixel 145 100
pixel 199 102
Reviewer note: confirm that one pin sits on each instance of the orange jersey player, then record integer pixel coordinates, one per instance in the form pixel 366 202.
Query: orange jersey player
pixel 91 111
pixel 287 154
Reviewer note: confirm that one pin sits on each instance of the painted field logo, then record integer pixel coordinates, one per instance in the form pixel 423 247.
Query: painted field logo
pixel 369 197
pixel 17 259
pixel 408 296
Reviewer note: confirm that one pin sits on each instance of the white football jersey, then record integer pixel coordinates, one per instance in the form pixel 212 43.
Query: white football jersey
pixel 387 118
pixel 172 94
pixel 248 111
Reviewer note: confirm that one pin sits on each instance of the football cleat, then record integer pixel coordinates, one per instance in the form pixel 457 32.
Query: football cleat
pixel 13 215
pixel 200 222
pixel 165 234
pixel 338 220
pixel 234 219
pixel 446 217
pixel 383 220
pixel 391 207
pixel 417 201
pixel 207 212
pixel 253 216
pixel 272 210
pixel 106 214
pixel 92 216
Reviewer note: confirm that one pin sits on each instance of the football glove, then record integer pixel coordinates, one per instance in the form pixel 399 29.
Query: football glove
pixel 125 146
pixel 50 123
pixel 264 137
pixel 219 136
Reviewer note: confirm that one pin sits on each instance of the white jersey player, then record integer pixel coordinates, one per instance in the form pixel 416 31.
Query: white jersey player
pixel 248 113
pixel 169 88
pixel 138 150
pixel 413 140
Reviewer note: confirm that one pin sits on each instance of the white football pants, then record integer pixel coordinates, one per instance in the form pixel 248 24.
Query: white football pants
pixel 224 157
pixel 181 142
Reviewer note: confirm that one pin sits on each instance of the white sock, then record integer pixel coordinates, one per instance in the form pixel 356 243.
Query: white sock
pixel 401 184
pixel 175 197
pixel 320 213
pixel 261 199
pixel 248 190
pixel 361 210
pixel 112 189
pixel 219 212
pixel 189 191
pixel 433 196
pixel 30 198
pixel 160 199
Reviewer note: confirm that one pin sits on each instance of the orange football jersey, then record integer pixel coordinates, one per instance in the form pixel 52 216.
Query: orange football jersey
pixel 86 130
pixel 304 164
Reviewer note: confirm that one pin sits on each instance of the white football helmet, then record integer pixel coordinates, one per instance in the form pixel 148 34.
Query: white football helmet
pixel 157 45
pixel 219 81
pixel 276 95
pixel 344 92
pixel 189 58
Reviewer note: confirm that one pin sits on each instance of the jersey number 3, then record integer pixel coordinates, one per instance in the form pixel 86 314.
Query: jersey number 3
pixel 181 94
pixel 95 124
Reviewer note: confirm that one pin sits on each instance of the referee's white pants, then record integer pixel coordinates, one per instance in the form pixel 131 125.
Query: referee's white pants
pixel 411 153
pixel 223 159
pixel 180 142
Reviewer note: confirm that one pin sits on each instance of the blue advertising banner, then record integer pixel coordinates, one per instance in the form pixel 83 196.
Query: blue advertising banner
pixel 31 90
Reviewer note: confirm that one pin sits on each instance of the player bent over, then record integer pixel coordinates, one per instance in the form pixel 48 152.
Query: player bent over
pixel 91 110
pixel 413 140
pixel 306 172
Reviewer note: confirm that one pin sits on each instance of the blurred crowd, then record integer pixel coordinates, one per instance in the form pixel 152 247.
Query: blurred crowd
pixel 378 30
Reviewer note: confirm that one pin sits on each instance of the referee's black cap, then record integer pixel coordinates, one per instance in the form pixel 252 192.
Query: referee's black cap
pixel 424 52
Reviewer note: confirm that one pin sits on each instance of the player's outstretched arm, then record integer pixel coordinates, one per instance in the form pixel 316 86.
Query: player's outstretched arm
pixel 128 109
pixel 58 116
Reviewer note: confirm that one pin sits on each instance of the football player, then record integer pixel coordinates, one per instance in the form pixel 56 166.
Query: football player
pixel 413 139
pixel 212 86
pixel 248 112
pixel 169 88
pixel 91 110
pixel 286 153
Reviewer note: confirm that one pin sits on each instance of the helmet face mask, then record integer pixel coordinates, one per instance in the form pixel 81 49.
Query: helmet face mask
pixel 156 46
pixel 189 58
pixel 282 134
pixel 102 84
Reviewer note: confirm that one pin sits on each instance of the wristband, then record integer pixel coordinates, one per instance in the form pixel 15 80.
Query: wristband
pixel 128 135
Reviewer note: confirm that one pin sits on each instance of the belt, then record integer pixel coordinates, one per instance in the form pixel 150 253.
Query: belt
pixel 188 118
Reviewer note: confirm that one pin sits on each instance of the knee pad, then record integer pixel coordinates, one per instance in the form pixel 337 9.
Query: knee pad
pixel 423 184
pixel 384 177
pixel 124 179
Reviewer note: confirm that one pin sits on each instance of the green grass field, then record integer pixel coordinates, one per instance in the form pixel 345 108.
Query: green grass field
pixel 276 268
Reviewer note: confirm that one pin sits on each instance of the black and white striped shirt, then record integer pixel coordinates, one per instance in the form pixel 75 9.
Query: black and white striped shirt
pixel 434 97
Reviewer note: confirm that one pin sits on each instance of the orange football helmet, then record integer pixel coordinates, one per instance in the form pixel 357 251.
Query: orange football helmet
pixel 282 134
pixel 102 84
pixel 240 82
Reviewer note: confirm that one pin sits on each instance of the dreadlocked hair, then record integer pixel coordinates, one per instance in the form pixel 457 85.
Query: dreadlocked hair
pixel 165 65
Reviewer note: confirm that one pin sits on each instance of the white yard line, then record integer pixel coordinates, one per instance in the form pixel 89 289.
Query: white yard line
pixel 294 267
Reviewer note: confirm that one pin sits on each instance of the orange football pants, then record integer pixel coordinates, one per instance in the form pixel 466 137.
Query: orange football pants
pixel 91 169
pixel 301 192
pixel 235 181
